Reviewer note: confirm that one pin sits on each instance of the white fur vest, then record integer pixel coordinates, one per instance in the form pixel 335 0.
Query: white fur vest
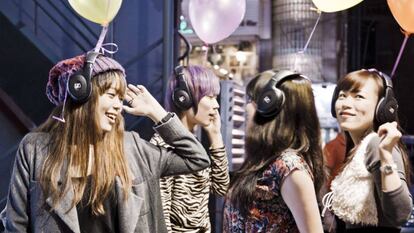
pixel 352 196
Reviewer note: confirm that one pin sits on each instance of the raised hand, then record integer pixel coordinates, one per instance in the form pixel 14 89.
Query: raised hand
pixel 390 135
pixel 215 125
pixel 214 131
pixel 142 103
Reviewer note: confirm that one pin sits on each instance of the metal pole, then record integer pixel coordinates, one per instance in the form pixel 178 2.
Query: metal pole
pixel 168 43
pixel 35 17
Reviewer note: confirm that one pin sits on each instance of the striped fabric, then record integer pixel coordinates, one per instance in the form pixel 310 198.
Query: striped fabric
pixel 185 197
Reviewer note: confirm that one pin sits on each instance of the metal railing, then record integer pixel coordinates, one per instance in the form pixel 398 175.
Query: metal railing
pixel 60 17
pixel 49 21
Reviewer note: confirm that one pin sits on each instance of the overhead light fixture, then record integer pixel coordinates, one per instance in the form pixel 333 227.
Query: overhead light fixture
pixel 223 71
pixel 241 56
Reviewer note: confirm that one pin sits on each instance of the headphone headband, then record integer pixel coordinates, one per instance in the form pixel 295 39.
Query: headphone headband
pixel 271 98
pixel 179 70
pixel 279 76
pixel 385 78
pixel 88 65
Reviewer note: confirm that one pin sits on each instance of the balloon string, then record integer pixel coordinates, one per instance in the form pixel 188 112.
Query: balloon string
pixel 313 30
pixel 101 38
pixel 302 51
pixel 61 118
pixel 206 52
pixel 114 48
pixel 407 35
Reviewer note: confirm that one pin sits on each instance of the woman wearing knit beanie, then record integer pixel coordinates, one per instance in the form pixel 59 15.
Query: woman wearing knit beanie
pixel 80 172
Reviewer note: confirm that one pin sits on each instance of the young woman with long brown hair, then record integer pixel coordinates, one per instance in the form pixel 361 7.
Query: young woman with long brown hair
pixel 86 174
pixel 274 191
pixel 370 193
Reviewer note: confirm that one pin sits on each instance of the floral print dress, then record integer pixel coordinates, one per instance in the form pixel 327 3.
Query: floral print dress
pixel 269 212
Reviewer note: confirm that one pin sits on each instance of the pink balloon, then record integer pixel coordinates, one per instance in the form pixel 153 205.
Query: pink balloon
pixel 215 20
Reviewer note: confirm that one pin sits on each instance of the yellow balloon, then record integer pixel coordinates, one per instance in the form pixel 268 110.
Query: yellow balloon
pixel 335 5
pixel 97 11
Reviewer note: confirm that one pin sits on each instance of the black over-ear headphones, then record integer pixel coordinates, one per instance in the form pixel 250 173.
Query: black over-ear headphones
pixel 79 84
pixel 271 98
pixel 181 95
pixel 387 107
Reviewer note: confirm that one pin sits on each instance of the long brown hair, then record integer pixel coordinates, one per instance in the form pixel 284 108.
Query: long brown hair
pixel 353 82
pixel 70 143
pixel 296 127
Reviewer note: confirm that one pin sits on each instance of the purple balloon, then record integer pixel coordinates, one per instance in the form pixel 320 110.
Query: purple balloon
pixel 215 20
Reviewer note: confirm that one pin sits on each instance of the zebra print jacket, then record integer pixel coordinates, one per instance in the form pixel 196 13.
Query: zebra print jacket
pixel 185 197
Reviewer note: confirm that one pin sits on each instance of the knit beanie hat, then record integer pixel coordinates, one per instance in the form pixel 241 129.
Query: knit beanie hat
pixel 60 73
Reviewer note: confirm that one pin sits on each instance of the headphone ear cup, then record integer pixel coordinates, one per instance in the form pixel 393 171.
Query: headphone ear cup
pixel 181 95
pixel 333 102
pixel 182 99
pixel 270 102
pixel 387 108
pixel 79 88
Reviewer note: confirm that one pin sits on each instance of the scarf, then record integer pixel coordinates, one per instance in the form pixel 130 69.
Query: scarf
pixel 352 191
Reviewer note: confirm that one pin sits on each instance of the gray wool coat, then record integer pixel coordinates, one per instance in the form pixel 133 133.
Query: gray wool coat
pixel 26 210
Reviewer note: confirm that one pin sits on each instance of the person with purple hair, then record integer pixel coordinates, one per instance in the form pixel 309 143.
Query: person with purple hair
pixel 192 95
pixel 81 172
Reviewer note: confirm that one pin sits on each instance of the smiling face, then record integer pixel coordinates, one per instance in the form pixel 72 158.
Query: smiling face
pixel 109 107
pixel 355 109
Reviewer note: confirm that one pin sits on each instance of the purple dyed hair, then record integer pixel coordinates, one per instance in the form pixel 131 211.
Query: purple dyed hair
pixel 201 82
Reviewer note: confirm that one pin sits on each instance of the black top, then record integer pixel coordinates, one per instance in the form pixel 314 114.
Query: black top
pixel 90 223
